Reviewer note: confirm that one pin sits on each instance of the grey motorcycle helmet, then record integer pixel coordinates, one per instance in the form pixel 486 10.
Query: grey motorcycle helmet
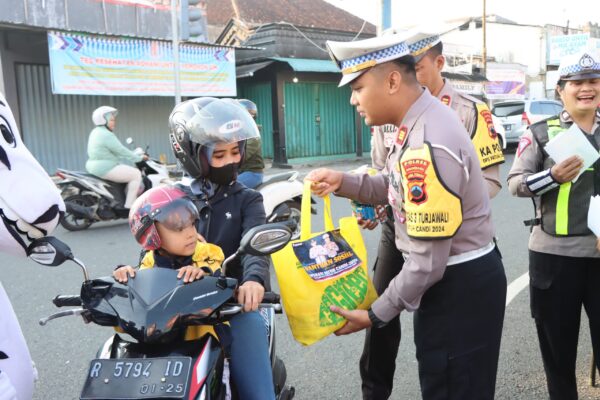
pixel 204 122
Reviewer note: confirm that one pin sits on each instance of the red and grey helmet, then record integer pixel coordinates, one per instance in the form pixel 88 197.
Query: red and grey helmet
pixel 168 205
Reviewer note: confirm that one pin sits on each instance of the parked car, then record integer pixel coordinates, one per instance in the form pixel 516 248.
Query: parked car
pixel 500 131
pixel 516 115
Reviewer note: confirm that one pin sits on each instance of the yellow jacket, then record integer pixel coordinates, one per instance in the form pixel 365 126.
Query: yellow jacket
pixel 206 255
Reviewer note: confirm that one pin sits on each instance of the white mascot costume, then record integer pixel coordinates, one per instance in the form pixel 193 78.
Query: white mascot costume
pixel 30 206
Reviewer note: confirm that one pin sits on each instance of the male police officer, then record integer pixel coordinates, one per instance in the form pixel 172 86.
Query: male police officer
pixel 378 360
pixel 427 49
pixel 453 278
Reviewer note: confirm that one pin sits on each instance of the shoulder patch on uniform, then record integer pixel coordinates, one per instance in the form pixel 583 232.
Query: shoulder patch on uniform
pixel 487 117
pixel 446 99
pixel 416 172
pixel 523 143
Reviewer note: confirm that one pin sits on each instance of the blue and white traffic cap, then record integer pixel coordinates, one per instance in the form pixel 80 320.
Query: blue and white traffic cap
pixel 355 58
pixel 582 65
pixel 424 37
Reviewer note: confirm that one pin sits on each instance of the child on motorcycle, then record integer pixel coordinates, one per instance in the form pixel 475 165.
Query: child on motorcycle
pixel 208 138
pixel 163 220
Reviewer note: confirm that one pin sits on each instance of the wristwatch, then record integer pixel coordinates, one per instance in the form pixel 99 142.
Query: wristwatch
pixel 376 322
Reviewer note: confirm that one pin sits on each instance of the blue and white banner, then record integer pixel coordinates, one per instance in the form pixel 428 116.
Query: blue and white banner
pixel 95 65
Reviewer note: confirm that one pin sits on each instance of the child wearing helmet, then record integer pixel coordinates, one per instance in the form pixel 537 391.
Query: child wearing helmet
pixel 208 137
pixel 163 220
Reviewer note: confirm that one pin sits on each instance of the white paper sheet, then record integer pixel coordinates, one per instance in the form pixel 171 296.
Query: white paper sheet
pixel 570 143
pixel 594 215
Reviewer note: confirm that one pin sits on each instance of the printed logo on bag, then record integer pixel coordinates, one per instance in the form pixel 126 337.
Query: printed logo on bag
pixel 326 256
pixel 347 292
pixel 415 171
pixel 487 117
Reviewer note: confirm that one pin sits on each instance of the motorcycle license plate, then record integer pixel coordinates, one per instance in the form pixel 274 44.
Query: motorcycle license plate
pixel 137 378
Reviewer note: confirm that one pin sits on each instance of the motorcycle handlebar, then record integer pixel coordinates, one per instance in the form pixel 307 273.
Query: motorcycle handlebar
pixel 67 301
pixel 271 298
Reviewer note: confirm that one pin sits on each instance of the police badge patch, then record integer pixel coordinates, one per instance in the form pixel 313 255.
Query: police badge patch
pixel 487 117
pixel 402 133
pixel 415 171
pixel 446 99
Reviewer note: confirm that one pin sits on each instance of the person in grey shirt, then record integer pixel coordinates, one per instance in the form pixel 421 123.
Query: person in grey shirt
pixel 564 263
pixel 453 278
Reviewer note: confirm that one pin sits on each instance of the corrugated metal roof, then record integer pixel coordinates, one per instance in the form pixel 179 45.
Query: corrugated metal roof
pixel 244 71
pixel 309 65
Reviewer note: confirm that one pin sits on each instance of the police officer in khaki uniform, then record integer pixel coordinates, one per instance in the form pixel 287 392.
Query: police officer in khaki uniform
pixel 378 360
pixel 564 264
pixel 453 277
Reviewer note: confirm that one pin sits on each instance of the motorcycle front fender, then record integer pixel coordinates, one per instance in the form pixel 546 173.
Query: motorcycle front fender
pixel 280 192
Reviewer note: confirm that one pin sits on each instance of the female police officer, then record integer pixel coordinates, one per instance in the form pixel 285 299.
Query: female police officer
pixel 564 264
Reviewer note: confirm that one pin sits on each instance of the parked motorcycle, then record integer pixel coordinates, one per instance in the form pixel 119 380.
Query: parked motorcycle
pixel 155 308
pixel 90 199
pixel 282 197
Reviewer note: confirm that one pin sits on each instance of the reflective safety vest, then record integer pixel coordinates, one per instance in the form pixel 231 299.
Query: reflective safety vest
pixel 432 210
pixel 485 138
pixel 564 210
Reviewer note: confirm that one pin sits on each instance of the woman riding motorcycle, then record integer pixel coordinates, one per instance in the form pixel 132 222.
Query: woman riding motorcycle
pixel 208 137
pixel 105 152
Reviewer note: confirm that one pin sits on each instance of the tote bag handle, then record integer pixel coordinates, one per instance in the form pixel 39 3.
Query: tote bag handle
pixel 305 216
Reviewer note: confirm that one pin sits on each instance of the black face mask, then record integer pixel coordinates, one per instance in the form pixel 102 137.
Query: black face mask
pixel 223 175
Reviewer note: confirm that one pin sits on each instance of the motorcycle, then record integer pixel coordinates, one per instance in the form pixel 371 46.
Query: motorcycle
pixel 155 308
pixel 90 199
pixel 282 197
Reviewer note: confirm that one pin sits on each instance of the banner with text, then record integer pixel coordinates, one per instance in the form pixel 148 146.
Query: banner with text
pixel 505 83
pixel 94 65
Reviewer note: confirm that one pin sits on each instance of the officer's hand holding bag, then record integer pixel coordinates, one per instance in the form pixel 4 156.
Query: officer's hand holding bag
pixel 321 270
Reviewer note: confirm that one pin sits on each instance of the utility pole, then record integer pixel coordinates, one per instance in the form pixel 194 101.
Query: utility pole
pixel 175 33
pixel 386 15
pixel 484 51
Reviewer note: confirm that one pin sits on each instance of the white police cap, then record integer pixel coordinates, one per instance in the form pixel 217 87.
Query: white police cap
pixel 581 65
pixel 424 37
pixel 355 58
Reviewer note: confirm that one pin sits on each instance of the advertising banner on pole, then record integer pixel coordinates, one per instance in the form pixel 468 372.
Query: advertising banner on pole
pixel 95 65
pixel 505 82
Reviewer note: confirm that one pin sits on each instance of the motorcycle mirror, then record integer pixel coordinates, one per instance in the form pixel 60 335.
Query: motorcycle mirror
pixel 265 239
pixel 49 251
pixel 129 140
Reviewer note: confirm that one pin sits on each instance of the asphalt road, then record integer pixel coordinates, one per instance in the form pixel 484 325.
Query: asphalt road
pixel 327 370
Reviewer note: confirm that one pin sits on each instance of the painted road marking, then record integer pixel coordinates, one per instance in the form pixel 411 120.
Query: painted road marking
pixel 516 287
